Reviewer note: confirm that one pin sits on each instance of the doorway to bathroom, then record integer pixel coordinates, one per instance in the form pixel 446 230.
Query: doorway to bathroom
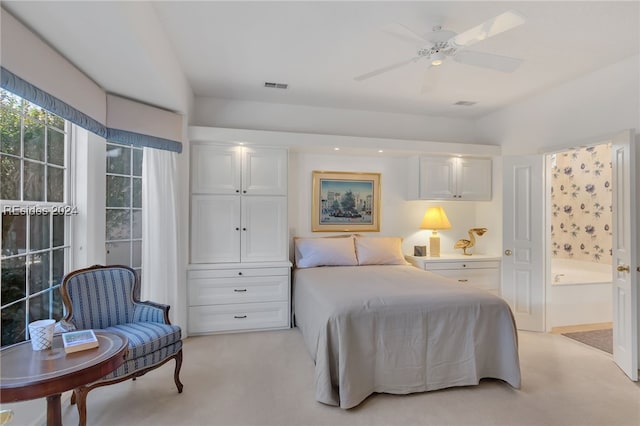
pixel 579 237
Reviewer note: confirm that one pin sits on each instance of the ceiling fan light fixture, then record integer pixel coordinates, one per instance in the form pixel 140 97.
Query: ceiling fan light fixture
pixel 437 58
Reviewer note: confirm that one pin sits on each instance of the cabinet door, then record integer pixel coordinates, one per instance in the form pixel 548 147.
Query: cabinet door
pixel 215 228
pixel 215 169
pixel 437 178
pixel 474 179
pixel 264 229
pixel 264 171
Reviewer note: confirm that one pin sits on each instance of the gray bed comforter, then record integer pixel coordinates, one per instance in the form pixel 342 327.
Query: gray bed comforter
pixel 398 329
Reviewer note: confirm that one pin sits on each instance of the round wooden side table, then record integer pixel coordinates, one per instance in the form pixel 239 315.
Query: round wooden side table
pixel 28 374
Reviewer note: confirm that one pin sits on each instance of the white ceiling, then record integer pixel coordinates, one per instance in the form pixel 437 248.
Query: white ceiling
pixel 229 49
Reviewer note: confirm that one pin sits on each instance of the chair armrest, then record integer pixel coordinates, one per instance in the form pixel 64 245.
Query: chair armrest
pixel 151 312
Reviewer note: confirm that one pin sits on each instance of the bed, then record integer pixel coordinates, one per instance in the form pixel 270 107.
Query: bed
pixel 372 323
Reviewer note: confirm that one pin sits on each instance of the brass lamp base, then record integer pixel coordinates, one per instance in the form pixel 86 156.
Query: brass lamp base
pixel 434 245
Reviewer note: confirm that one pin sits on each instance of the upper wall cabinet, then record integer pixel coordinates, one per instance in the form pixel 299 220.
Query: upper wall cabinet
pixel 219 169
pixel 454 178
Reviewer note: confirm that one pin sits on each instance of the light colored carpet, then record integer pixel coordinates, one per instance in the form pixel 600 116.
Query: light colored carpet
pixel 267 379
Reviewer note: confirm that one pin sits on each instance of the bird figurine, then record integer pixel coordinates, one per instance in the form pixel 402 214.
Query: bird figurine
pixel 465 244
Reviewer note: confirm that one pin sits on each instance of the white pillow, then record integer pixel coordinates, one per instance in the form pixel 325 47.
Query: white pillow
pixel 380 251
pixel 311 252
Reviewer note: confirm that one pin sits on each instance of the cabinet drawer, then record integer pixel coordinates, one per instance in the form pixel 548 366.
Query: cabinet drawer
pixel 210 291
pixel 241 316
pixel 487 279
pixel 486 264
pixel 237 272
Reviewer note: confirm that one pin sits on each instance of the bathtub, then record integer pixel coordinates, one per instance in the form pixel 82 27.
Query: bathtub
pixel 578 292
pixel 569 271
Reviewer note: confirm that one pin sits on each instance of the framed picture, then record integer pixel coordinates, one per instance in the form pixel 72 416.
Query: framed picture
pixel 345 202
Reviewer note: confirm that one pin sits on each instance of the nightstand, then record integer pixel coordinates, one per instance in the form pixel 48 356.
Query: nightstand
pixel 479 270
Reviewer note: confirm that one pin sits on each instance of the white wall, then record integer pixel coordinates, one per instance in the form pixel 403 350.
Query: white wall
pixel 399 216
pixel 587 108
pixel 217 112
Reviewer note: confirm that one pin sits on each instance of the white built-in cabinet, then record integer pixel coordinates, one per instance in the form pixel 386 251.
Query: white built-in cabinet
pixel 240 273
pixel 454 178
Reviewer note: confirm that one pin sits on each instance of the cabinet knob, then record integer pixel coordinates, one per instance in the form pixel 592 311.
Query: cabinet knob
pixel 508 252
pixel 237 190
pixel 244 192
pixel 240 290
pixel 237 229
pixel 239 316
pixel 462 281
pixel 244 229
pixel 464 265
pixel 239 273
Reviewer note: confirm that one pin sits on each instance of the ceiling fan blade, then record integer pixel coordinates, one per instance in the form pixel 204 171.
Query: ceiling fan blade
pixel 487 60
pixel 489 28
pixel 385 69
pixel 405 33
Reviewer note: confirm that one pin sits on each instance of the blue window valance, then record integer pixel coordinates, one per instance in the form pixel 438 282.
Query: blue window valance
pixel 28 91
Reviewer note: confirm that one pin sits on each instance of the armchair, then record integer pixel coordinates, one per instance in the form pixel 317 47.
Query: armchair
pixel 105 297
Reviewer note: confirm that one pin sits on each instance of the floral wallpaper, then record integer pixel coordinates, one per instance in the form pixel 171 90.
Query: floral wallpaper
pixel 581 204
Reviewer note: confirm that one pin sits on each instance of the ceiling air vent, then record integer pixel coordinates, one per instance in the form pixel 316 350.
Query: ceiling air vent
pixel 275 85
pixel 465 103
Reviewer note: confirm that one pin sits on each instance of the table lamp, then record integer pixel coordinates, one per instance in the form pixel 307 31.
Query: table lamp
pixel 434 219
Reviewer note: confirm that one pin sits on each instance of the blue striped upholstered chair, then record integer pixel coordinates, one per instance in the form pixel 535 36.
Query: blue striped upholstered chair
pixel 105 297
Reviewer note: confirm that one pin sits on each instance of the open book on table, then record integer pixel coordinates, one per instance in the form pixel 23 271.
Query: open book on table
pixel 80 340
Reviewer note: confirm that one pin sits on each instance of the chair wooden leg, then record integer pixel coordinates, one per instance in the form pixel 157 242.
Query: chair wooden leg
pixel 81 400
pixel 176 374
pixel 73 397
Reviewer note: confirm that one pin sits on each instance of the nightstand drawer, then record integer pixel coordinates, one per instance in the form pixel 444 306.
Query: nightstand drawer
pixel 216 291
pixel 483 264
pixel 241 316
pixel 487 279
pixel 236 272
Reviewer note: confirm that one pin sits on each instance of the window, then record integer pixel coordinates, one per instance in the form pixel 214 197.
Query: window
pixel 124 206
pixel 35 216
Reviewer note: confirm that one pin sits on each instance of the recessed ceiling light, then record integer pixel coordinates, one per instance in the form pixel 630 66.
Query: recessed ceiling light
pixel 380 150
pixel 336 149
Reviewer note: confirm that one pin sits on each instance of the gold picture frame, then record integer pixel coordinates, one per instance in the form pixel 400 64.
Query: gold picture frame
pixel 345 202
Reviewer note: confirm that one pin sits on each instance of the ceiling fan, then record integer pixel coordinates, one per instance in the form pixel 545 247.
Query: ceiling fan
pixel 439 45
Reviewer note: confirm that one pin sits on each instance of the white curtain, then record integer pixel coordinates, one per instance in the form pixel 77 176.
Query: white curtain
pixel 160 229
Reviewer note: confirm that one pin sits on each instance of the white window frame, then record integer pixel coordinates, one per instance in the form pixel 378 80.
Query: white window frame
pixel 131 177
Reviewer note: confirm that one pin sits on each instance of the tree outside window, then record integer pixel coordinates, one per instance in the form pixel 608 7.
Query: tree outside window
pixel 34 250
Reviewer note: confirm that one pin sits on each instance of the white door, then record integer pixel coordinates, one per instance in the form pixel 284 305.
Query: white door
pixel 625 276
pixel 215 228
pixel 523 261
pixel 215 169
pixel 438 178
pixel 264 229
pixel 264 171
pixel 473 179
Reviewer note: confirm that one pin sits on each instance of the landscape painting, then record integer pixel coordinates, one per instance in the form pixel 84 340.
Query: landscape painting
pixel 346 202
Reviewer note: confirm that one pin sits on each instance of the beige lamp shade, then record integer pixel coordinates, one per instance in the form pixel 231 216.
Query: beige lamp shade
pixel 435 218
